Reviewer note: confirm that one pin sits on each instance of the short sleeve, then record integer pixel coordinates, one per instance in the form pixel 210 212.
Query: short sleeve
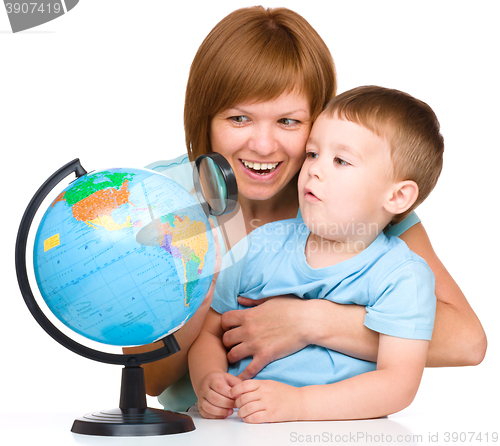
pixel 398 229
pixel 405 304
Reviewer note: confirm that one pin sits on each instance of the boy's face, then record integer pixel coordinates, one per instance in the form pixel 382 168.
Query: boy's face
pixel 344 180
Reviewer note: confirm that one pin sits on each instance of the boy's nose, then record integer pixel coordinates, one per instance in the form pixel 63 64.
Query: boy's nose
pixel 315 169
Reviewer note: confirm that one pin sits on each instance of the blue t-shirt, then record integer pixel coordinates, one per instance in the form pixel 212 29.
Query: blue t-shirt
pixel 394 284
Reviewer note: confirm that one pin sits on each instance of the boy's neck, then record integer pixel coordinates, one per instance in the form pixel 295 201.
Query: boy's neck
pixel 282 206
pixel 321 252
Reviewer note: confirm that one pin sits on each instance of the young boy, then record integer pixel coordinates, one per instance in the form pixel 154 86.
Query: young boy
pixel 373 155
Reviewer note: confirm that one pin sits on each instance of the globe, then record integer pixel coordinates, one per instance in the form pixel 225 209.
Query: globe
pixel 124 256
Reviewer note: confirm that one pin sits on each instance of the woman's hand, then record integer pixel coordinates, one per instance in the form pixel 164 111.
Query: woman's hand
pixel 270 330
pixel 282 325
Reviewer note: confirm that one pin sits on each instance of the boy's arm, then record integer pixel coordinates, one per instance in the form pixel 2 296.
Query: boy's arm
pixel 207 354
pixel 208 370
pixel 387 390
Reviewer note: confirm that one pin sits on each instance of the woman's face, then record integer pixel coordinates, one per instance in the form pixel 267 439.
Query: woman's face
pixel 264 142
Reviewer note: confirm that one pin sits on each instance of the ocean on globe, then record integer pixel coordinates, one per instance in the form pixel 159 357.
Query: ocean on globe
pixel 124 256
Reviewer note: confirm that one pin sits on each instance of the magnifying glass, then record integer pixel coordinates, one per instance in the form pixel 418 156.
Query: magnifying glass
pixel 215 184
pixel 216 190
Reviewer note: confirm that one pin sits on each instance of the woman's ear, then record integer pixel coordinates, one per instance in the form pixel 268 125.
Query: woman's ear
pixel 401 197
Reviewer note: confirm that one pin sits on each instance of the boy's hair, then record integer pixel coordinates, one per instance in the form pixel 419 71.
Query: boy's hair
pixel 410 127
pixel 254 54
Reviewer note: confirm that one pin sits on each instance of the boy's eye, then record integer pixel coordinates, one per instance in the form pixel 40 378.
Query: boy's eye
pixel 311 155
pixel 340 161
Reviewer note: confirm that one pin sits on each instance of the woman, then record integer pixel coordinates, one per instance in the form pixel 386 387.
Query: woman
pixel 256 85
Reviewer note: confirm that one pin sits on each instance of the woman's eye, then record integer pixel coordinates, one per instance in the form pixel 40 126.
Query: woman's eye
pixel 239 119
pixel 288 122
pixel 340 161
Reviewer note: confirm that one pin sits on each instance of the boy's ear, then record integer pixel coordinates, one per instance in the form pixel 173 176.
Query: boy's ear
pixel 401 197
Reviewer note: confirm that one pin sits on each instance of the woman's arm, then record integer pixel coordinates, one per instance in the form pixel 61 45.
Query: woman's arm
pixel 458 338
pixel 281 326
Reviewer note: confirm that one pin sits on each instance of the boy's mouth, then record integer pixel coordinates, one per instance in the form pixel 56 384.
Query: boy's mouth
pixel 309 195
pixel 259 168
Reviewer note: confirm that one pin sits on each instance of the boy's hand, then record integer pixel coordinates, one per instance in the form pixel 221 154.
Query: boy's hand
pixel 214 400
pixel 266 401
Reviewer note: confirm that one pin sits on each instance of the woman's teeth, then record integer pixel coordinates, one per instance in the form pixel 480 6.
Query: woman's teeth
pixel 260 168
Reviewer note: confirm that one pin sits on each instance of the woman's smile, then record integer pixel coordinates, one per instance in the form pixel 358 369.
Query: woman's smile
pixel 260 171
pixel 260 168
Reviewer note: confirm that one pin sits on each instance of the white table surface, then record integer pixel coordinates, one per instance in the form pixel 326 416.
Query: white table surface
pixel 409 427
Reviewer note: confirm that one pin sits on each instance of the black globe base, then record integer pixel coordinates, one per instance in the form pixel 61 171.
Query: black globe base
pixel 133 423
pixel 133 418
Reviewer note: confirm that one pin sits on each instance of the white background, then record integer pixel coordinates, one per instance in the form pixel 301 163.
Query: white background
pixel 106 83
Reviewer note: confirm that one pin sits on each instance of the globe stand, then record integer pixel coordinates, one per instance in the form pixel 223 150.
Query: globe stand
pixel 133 417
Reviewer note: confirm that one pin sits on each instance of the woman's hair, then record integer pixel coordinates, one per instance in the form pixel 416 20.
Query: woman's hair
pixel 254 54
pixel 410 127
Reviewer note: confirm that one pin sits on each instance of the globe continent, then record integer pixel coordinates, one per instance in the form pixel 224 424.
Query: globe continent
pixel 124 256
